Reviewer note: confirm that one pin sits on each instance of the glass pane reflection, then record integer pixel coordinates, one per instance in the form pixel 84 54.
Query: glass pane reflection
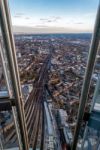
pixel 5 81
pixel 8 136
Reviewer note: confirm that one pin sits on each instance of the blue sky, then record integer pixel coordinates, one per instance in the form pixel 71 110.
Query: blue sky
pixel 66 15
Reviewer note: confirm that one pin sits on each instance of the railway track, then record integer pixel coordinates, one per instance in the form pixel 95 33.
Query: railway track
pixel 33 112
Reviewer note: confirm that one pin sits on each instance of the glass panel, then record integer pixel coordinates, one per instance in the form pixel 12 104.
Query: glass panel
pixel 67 65
pixel 96 99
pixel 3 86
pixel 9 128
pixel 5 81
pixel 8 136
pixel 91 140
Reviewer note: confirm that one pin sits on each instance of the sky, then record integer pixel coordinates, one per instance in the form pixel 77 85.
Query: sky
pixel 53 16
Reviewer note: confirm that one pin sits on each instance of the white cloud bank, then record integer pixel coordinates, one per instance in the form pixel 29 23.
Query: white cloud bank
pixel 54 24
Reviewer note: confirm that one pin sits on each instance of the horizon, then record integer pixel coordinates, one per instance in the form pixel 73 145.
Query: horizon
pixel 53 33
pixel 44 16
pixel 32 30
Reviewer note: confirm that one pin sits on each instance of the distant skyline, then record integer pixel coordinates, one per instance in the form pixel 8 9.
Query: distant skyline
pixel 53 16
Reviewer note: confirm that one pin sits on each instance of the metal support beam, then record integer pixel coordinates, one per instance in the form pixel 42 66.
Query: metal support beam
pixel 9 23
pixel 87 79
pixel 14 74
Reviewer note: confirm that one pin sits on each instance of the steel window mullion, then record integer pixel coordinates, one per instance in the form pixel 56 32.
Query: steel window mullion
pixel 87 79
pixel 7 11
pixel 11 62
pixel 8 17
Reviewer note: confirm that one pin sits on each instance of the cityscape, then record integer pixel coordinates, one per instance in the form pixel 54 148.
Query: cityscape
pixel 42 80
pixel 51 68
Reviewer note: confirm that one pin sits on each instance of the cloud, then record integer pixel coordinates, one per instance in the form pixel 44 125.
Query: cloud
pixel 50 19
pixel 41 26
pixel 27 18
pixel 42 19
pixel 43 29
pixel 56 18
pixel 17 16
pixel 79 23
pixel 20 14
